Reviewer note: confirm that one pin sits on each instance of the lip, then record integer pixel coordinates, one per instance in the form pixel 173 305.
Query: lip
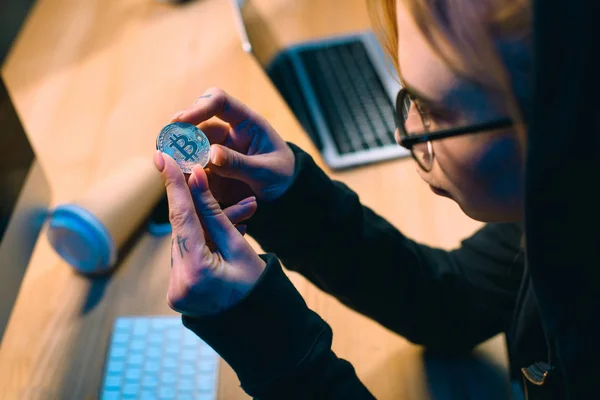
pixel 438 191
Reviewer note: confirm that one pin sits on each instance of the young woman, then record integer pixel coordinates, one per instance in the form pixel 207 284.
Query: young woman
pixel 465 71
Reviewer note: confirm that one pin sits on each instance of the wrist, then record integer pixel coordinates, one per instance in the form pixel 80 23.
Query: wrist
pixel 285 169
pixel 289 172
pixel 269 331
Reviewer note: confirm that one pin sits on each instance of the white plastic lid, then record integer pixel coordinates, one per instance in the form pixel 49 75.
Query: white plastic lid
pixel 81 239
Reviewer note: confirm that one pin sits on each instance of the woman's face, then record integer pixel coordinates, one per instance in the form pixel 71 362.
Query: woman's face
pixel 482 172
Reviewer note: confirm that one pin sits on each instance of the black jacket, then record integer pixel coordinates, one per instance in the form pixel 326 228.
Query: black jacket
pixel 284 350
pixel 562 207
pixel 447 301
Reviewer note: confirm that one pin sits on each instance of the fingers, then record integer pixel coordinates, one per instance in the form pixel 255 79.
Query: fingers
pixel 215 130
pixel 215 102
pixel 182 213
pixel 218 227
pixel 241 211
pixel 229 163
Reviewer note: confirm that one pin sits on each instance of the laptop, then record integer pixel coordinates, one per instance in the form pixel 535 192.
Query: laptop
pixel 25 191
pixel 341 89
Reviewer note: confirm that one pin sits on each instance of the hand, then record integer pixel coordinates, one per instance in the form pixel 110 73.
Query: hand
pixel 213 266
pixel 247 156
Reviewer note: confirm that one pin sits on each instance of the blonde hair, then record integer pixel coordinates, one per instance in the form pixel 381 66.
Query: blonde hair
pixel 465 34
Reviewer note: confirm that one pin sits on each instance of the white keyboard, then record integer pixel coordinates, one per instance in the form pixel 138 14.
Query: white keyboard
pixel 158 358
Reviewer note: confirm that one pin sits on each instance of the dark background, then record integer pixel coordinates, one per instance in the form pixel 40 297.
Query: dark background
pixel 16 154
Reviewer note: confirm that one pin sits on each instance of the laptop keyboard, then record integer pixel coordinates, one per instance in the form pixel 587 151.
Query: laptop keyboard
pixel 158 358
pixel 281 73
pixel 355 106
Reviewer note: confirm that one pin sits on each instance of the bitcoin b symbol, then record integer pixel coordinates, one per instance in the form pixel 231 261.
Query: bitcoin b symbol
pixel 183 147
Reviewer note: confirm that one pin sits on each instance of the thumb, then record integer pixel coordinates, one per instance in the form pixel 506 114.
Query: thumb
pixel 216 224
pixel 231 164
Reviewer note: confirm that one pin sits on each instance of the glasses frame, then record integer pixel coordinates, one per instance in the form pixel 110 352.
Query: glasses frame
pixel 409 141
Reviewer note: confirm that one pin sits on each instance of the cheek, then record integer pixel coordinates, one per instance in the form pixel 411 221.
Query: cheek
pixel 484 168
pixel 457 161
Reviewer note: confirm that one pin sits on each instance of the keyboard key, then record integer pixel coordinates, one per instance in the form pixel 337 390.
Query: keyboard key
pixel 168 378
pixel 206 396
pixel 187 369
pixel 137 345
pixel 186 396
pixel 112 382
pixel 118 353
pixel 206 365
pixel 120 338
pixel 135 360
pixel 170 363
pixel 140 331
pixel 189 356
pixel 141 322
pixel 205 382
pixel 151 366
pixel 123 324
pixel 174 334
pixel 166 393
pixel 111 395
pixel 115 367
pixel 185 385
pixel 131 389
pixel 133 374
pixel 155 339
pixel 148 395
pixel 150 382
pixel 153 353
pixel 189 338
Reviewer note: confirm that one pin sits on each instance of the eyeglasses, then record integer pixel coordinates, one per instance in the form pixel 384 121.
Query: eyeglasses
pixel 418 141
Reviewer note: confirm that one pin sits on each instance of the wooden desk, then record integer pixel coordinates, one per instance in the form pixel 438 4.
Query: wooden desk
pixel 94 81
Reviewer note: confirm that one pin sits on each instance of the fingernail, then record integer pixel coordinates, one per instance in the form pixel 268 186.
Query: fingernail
pixel 213 156
pixel 159 161
pixel 176 116
pixel 248 201
pixel 195 172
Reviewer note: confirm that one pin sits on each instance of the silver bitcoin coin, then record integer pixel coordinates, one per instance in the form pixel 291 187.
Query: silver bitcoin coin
pixel 185 143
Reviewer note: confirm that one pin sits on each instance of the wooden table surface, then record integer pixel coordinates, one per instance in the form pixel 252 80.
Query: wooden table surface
pixel 94 81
